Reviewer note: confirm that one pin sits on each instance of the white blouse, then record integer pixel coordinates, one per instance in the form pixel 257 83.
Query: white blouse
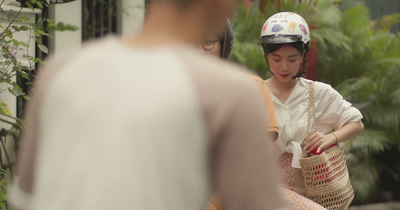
pixel 331 110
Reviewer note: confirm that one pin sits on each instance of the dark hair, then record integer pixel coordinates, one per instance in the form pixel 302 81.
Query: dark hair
pixel 226 41
pixel 299 46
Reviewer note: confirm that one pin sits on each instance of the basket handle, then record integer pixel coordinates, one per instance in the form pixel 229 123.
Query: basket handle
pixel 311 114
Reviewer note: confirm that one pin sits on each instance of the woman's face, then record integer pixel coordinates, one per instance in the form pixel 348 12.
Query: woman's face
pixel 285 62
pixel 211 46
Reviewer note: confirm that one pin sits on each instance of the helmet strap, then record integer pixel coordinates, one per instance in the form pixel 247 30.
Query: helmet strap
pixel 303 71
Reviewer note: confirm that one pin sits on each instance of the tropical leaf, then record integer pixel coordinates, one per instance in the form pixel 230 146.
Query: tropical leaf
pixel 392 60
pixel 374 141
pixel 396 97
pixel 363 175
pixel 386 119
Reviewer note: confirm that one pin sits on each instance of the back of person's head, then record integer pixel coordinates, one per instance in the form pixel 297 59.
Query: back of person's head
pixel 220 45
pixel 208 14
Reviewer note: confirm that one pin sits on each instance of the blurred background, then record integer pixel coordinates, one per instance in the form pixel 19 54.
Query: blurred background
pixel 355 48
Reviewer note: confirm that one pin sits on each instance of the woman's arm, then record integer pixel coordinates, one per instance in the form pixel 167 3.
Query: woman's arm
pixel 322 141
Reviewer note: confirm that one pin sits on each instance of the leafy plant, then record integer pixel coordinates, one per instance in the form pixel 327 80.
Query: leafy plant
pixel 368 77
pixel 16 61
pixel 376 94
pixel 3 190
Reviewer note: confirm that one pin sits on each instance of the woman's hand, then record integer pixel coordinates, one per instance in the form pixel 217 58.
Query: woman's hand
pixel 320 141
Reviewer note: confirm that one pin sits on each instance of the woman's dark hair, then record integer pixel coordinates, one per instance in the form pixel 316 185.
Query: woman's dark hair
pixel 299 46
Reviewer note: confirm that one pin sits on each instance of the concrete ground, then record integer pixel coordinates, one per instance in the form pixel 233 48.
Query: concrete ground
pixel 378 206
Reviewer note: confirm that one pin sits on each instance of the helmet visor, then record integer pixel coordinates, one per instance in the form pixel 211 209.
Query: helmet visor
pixel 280 39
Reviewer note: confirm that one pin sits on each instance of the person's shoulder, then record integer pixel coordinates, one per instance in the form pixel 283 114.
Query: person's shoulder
pixel 102 43
pixel 93 48
pixel 323 91
pixel 240 79
pixel 322 85
pixel 318 85
pixel 256 79
pixel 103 50
pixel 216 70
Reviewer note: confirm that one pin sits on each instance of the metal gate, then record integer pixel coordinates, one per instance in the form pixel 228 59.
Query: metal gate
pixel 379 8
pixel 99 18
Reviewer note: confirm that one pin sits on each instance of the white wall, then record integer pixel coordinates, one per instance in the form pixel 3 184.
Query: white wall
pixel 132 17
pixel 68 13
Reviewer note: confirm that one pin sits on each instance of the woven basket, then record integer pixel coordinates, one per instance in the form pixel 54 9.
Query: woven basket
pixel 326 177
pixel 327 180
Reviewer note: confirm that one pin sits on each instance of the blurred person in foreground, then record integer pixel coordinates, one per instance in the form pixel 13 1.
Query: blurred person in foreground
pixel 220 46
pixel 147 123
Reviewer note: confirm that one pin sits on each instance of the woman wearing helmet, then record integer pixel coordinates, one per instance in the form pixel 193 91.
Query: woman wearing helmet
pixel 285 38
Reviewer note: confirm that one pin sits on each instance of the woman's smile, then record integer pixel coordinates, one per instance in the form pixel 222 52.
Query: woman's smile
pixel 284 75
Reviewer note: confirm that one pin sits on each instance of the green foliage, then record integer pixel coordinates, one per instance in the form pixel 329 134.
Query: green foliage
pixel 368 75
pixel 3 191
pixel 247 25
pixel 15 60
pixel 10 64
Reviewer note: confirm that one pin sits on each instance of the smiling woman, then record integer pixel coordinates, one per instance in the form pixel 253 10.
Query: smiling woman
pixel 285 38
pixel 286 60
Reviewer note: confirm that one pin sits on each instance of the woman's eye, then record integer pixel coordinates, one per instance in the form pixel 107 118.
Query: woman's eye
pixel 276 60
pixel 292 61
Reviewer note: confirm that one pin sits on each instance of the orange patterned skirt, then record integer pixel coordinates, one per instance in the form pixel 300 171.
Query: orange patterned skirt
pixel 292 185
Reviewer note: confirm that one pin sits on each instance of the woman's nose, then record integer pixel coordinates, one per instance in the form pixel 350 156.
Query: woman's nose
pixel 285 66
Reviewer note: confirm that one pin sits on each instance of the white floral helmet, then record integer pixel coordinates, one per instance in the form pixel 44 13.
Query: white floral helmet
pixel 285 27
